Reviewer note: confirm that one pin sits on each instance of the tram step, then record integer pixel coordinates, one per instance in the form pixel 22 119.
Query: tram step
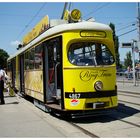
pixel 55 97
pixel 50 102
pixel 54 106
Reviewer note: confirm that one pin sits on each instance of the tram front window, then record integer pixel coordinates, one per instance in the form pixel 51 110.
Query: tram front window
pixel 89 54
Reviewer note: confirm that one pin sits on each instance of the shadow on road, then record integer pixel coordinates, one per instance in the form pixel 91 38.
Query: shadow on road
pixel 123 111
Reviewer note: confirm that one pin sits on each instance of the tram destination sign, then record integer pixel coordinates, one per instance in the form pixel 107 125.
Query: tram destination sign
pixel 127 45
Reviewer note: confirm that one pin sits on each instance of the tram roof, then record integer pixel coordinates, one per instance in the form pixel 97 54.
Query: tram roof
pixel 84 25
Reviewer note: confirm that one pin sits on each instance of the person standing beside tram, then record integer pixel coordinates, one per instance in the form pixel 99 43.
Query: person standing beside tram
pixel 129 70
pixel 3 76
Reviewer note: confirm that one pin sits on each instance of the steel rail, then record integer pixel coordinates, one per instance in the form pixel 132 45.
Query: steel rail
pixel 84 130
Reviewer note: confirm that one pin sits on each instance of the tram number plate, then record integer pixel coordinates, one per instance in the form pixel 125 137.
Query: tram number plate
pixel 74 96
pixel 98 105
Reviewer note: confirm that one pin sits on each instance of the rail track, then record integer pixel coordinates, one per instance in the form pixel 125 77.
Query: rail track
pixel 131 95
pixel 128 93
pixel 108 117
pixel 129 102
pixel 84 130
pixel 89 124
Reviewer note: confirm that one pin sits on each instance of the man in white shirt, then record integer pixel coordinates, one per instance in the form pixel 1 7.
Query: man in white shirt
pixel 3 76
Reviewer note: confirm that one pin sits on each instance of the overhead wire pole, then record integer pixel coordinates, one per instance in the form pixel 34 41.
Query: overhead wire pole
pixel 138 23
pixel 65 6
pixel 69 6
pixel 138 18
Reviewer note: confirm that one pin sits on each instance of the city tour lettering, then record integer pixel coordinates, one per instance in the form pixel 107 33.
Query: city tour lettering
pixel 88 75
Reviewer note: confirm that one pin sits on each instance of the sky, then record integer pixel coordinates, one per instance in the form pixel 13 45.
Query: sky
pixel 18 18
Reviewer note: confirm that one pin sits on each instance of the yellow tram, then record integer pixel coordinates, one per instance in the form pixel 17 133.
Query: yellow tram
pixel 67 67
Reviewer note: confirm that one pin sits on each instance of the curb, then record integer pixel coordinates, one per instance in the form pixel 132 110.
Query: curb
pixel 128 91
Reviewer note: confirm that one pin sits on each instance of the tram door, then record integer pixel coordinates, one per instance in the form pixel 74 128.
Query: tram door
pixel 54 50
pixel 21 73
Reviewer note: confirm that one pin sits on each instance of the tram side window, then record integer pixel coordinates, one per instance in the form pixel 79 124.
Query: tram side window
pixel 26 59
pixel 31 58
pixel 38 57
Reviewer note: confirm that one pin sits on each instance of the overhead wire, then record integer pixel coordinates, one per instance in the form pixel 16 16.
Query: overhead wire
pixel 97 9
pixel 127 32
pixel 106 4
pixel 131 24
pixel 126 27
pixel 31 20
pixel 16 15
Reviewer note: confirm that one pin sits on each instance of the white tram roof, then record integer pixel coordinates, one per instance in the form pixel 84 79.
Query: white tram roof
pixel 84 25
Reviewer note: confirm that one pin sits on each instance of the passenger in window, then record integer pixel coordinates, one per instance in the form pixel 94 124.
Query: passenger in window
pixel 72 58
pixel 99 58
pixel 27 67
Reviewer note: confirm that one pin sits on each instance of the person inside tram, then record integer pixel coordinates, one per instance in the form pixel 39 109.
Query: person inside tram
pixel 99 58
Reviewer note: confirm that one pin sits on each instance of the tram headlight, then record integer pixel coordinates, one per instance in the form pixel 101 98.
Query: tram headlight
pixel 98 85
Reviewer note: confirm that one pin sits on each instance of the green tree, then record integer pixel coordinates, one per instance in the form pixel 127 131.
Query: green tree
pixel 3 58
pixel 128 60
pixel 116 44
